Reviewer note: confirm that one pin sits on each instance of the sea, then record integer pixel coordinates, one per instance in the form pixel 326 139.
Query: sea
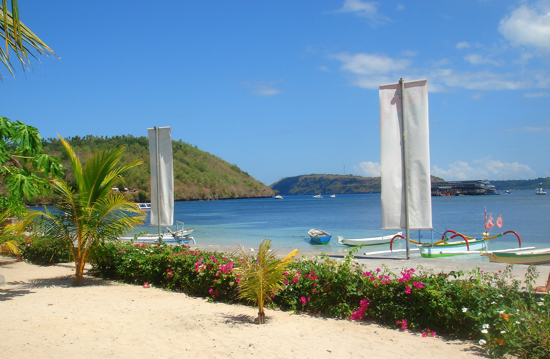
pixel 286 221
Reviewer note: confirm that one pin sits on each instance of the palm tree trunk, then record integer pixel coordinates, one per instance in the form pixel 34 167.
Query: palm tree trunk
pixel 261 316
pixel 79 270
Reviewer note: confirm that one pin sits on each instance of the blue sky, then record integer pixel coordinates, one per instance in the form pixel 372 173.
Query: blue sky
pixel 284 88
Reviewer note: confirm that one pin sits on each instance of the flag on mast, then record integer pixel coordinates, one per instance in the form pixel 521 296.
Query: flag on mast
pixel 162 176
pixel 417 153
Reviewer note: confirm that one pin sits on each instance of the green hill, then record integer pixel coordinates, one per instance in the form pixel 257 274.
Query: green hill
pixel 326 184
pixel 198 175
pixel 329 184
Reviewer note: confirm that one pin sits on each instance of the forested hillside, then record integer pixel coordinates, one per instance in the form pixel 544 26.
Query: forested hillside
pixel 198 175
pixel 330 184
pixel 327 184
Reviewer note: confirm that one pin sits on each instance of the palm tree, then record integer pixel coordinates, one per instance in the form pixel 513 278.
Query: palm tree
pixel 7 245
pixel 19 38
pixel 261 275
pixel 89 214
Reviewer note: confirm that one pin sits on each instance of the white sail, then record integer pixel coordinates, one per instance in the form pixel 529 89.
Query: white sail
pixel 162 176
pixel 417 152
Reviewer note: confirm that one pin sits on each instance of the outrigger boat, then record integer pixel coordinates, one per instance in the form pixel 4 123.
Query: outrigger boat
pixel 461 245
pixel 524 256
pixel 319 236
pixel 367 241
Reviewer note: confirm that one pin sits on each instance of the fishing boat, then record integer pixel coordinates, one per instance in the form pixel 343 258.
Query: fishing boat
pixel 278 196
pixel 540 190
pixel 333 196
pixel 464 245
pixel 537 256
pixel 367 241
pixel 319 236
pixel 318 196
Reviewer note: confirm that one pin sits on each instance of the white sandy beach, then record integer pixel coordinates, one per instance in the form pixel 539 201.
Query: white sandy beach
pixel 44 316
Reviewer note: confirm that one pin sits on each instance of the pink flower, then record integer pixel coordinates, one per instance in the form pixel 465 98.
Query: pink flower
pixel 295 280
pixel 303 299
pixel 402 323
pixel 285 281
pixel 424 335
pixel 408 290
pixel 146 285
pixel 418 285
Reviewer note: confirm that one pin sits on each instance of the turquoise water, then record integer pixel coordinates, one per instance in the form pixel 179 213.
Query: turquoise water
pixel 287 221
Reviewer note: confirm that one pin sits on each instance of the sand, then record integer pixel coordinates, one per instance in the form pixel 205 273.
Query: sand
pixel 44 316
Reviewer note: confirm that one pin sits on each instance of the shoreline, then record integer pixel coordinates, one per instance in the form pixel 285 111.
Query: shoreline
pixel 45 316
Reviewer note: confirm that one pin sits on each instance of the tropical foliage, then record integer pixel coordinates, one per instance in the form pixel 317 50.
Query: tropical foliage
pixel 19 38
pixel 7 244
pixel 24 168
pixel 198 175
pixel 261 275
pixel 89 214
pixel 500 313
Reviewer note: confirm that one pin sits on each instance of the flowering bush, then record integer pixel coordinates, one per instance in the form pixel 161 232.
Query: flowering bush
pixel 499 313
pixel 43 250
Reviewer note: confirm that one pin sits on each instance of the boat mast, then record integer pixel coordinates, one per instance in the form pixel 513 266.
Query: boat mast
pixel 404 167
pixel 158 176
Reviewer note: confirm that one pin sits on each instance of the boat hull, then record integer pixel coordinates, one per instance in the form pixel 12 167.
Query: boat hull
pixel 532 257
pixel 452 249
pixel 319 236
pixel 367 241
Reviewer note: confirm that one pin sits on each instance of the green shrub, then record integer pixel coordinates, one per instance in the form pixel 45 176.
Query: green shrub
pixel 44 251
pixel 490 308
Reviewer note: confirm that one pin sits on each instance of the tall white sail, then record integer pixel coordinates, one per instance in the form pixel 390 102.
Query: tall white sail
pixel 162 176
pixel 417 156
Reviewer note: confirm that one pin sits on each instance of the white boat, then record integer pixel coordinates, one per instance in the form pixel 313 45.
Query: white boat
pixel 162 191
pixel 180 235
pixel 318 196
pixel 540 190
pixel 333 196
pixel 144 206
pixel 278 196
pixel 367 241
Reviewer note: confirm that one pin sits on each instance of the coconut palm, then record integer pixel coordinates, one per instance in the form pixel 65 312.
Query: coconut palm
pixel 7 245
pixel 19 38
pixel 89 214
pixel 260 275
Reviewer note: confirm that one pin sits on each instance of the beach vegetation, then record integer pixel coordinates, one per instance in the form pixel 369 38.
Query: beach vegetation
pixel 19 40
pixel 25 169
pixel 198 175
pixel 498 313
pixel 260 274
pixel 89 213
pixel 8 245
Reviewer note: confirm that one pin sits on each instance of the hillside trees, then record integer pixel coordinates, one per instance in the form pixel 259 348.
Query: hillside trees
pixel 198 175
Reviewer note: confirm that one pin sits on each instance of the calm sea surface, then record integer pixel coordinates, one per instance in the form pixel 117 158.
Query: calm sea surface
pixel 287 221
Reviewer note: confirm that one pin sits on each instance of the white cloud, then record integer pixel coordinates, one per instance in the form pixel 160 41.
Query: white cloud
pixel 530 129
pixel 263 88
pixel 366 9
pixel 370 64
pixel 484 168
pixel 482 80
pixel 477 59
pixel 528 26
pixel 538 94
pixel 409 53
pixel 368 169
pixel 400 7
pixel 463 45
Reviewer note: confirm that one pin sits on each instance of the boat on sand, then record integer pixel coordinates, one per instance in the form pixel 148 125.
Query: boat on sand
pixel 367 241
pixel 534 256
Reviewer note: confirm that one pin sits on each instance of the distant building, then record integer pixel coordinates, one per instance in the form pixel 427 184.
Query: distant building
pixel 463 188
